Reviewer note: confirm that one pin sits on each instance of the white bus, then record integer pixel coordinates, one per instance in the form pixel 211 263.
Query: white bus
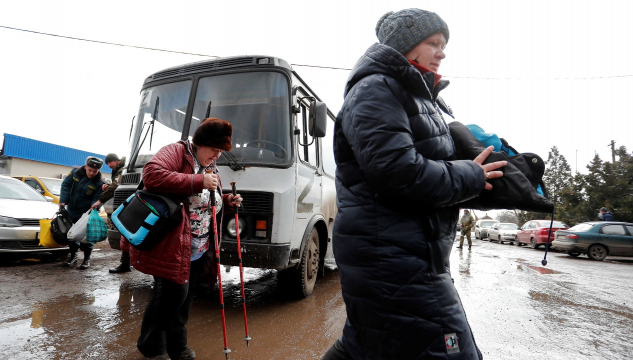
pixel 281 160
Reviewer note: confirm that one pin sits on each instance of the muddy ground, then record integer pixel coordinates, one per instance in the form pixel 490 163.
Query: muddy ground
pixel 574 308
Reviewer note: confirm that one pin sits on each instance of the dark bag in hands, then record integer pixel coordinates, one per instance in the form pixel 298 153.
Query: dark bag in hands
pixel 60 225
pixel 517 188
pixel 145 218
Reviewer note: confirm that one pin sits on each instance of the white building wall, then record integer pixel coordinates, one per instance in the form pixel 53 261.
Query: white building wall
pixel 15 166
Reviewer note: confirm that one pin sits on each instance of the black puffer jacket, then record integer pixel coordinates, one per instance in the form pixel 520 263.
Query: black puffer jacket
pixel 397 188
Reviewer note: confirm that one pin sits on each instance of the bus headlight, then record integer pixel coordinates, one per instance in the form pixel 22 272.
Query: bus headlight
pixel 230 226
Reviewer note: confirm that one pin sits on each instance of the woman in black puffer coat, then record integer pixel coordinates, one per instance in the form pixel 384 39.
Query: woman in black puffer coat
pixel 398 186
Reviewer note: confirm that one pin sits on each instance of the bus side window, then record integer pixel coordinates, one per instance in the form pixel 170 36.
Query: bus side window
pixel 307 153
pixel 327 149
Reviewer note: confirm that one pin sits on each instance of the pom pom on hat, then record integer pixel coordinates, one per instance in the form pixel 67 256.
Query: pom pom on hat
pixel 405 29
pixel 214 133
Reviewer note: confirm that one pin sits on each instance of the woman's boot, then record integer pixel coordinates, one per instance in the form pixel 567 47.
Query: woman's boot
pixel 72 259
pixel 86 263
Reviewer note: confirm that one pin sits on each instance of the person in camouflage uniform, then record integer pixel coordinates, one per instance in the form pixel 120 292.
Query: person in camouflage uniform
pixel 466 224
pixel 117 165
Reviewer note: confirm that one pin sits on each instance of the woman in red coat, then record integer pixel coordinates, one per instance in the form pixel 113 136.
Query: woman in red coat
pixel 186 170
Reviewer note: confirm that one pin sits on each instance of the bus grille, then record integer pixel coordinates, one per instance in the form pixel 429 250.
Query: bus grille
pixel 256 202
pixel 29 222
pixel 120 196
pixel 131 178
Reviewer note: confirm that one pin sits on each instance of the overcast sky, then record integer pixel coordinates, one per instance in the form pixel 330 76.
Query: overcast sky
pixel 538 73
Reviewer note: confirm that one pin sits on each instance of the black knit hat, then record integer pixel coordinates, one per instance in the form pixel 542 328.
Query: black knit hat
pixel 405 29
pixel 214 133
pixel 111 157
pixel 94 162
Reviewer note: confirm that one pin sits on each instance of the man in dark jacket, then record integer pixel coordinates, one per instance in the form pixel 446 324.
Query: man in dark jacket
pixel 606 215
pixel 80 192
pixel 398 188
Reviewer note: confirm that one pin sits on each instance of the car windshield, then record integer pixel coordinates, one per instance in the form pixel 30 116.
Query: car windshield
pixel 17 190
pixel 487 224
pixel 508 227
pixel 581 227
pixel 53 185
pixel 556 224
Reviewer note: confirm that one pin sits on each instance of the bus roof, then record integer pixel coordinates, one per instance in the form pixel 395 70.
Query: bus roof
pixel 218 64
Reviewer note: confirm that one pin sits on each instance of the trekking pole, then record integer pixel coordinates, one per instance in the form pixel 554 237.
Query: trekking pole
pixel 239 256
pixel 217 257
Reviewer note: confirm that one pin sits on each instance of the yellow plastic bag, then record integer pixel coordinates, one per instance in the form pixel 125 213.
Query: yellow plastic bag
pixel 46 238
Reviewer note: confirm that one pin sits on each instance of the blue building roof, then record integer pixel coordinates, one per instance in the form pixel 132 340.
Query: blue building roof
pixel 29 149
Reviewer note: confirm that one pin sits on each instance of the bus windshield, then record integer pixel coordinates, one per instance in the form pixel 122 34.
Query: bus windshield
pixel 160 119
pixel 257 106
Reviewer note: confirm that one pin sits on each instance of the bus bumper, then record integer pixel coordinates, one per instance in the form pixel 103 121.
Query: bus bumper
pixel 264 256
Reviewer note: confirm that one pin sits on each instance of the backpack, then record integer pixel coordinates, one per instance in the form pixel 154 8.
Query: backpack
pixel 60 225
pixel 145 217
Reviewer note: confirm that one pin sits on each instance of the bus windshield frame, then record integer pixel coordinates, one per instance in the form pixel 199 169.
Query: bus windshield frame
pixel 256 103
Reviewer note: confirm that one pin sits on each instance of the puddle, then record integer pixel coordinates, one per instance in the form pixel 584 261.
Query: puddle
pixel 538 269
pixel 19 331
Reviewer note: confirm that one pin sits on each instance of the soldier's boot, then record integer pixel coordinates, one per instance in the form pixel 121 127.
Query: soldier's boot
pixel 124 266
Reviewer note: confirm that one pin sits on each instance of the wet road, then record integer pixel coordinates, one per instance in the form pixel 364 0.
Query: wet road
pixel 574 308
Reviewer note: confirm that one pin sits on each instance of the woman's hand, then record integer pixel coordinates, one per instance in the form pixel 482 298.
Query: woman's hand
pixel 235 200
pixel 488 168
pixel 210 182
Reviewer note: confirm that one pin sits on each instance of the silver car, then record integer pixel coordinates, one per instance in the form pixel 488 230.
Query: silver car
pixel 503 232
pixel 482 227
pixel 21 208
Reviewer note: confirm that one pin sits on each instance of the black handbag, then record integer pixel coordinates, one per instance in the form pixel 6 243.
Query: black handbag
pixel 60 224
pixel 517 188
pixel 145 218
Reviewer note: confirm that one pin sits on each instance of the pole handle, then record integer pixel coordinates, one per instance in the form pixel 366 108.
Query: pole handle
pixel 234 191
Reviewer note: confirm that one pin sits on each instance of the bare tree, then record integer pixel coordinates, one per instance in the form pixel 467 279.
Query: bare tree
pixel 508 217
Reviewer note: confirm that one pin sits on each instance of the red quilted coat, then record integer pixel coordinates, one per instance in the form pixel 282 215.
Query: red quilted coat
pixel 171 172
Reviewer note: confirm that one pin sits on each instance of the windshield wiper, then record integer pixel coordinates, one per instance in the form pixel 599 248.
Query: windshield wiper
pixel 154 118
pixel 233 164
pixel 151 125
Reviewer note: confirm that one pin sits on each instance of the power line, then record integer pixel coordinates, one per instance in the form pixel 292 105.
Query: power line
pixel 303 65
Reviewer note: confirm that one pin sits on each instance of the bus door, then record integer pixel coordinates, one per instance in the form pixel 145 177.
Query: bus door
pixel 308 186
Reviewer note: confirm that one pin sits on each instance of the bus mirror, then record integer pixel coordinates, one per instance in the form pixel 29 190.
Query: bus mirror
pixel 318 118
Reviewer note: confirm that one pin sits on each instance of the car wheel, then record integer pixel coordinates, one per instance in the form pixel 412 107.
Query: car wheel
pixel 533 243
pixel 573 253
pixel 597 252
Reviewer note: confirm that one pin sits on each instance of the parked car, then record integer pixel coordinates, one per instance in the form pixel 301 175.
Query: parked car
pixel 482 226
pixel 596 239
pixel 46 186
pixel 534 232
pixel 503 232
pixel 21 208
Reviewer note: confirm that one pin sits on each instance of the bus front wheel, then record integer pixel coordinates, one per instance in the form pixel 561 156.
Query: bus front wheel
pixel 305 274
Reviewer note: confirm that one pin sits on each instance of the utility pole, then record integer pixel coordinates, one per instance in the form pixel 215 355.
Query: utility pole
pixel 612 144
